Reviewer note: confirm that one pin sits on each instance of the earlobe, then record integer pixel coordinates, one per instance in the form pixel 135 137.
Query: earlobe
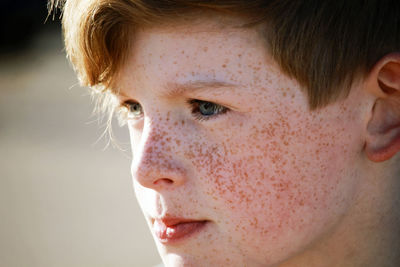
pixel 383 130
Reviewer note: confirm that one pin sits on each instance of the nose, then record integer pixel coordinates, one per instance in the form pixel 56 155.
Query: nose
pixel 156 163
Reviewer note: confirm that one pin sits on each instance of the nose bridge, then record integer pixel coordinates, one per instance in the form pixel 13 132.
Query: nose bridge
pixel 155 161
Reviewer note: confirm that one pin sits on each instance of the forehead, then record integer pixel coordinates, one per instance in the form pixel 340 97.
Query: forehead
pixel 219 49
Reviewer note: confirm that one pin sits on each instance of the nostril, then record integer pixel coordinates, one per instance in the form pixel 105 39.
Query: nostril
pixel 163 181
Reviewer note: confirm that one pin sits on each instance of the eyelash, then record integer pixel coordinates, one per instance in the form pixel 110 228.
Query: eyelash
pixel 195 104
pixel 125 110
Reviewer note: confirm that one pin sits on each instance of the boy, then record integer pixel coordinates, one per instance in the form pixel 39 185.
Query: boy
pixel 264 133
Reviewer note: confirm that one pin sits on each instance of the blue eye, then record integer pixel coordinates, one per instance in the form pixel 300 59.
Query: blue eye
pixel 205 110
pixel 134 109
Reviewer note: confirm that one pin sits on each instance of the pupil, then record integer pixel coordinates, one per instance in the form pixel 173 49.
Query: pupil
pixel 207 108
pixel 135 108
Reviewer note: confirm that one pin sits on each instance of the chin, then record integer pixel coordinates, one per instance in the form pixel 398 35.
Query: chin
pixel 176 260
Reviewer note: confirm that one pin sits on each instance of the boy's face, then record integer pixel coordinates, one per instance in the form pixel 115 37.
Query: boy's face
pixel 230 167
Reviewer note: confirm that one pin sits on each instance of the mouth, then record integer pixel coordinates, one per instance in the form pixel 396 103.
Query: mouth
pixel 172 230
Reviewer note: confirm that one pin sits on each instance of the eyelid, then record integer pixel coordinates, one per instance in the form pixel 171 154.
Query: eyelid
pixel 128 102
pixel 219 100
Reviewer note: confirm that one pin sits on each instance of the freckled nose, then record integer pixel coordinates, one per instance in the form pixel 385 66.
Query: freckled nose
pixel 156 163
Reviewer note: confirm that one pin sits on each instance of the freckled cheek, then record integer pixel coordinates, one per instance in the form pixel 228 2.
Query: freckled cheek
pixel 242 188
pixel 272 187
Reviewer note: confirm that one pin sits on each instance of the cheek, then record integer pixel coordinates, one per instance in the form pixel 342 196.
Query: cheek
pixel 278 180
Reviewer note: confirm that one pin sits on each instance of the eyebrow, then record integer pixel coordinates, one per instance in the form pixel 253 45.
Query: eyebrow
pixel 175 89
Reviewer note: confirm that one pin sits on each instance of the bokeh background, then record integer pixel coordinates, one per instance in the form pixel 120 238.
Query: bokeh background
pixel 65 199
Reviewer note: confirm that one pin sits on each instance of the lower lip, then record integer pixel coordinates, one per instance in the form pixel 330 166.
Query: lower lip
pixel 177 232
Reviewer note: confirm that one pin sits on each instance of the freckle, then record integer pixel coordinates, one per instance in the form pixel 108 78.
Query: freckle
pixel 224 65
pixel 183 122
pixel 285 143
pixel 183 52
pixel 205 49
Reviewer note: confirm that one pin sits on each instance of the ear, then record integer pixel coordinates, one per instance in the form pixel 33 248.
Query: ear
pixel 383 130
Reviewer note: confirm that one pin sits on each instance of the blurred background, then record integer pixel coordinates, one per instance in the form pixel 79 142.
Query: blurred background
pixel 64 199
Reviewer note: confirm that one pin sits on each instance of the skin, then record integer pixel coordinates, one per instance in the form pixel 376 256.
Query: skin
pixel 278 183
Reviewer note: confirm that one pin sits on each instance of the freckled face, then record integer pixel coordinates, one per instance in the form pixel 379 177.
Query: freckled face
pixel 270 176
